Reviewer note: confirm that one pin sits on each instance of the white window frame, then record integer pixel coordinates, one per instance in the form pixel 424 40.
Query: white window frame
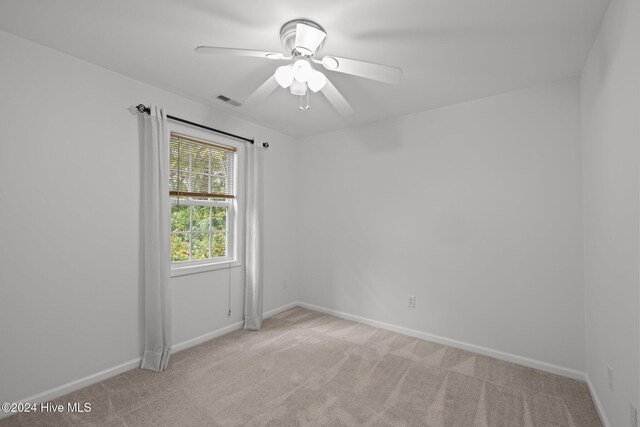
pixel 235 212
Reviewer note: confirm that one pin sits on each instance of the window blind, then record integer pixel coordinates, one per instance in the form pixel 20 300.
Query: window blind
pixel 200 168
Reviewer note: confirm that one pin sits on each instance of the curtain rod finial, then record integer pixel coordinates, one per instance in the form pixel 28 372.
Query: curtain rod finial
pixel 142 108
pixel 265 144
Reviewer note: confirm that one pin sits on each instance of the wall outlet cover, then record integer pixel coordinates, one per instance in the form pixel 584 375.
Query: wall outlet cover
pixel 411 301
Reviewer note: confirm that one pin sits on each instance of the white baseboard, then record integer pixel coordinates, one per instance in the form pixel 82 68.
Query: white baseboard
pixel 72 386
pixel 513 358
pixel 227 329
pixel 206 337
pixel 280 309
pixel 597 402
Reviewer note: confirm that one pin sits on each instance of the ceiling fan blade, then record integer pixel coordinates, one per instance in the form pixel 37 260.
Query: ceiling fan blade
pixel 263 91
pixel 368 70
pixel 432 34
pixel 214 50
pixel 336 99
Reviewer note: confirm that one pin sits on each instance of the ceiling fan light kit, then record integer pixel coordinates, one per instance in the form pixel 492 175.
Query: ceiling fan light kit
pixel 284 76
pixel 298 88
pixel 301 40
pixel 301 70
pixel 316 81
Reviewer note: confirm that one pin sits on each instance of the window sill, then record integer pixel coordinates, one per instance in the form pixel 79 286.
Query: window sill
pixel 201 268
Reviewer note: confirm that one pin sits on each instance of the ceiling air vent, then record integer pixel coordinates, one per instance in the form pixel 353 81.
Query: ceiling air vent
pixel 228 100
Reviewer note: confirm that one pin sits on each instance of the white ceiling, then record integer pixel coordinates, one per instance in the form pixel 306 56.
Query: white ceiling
pixel 451 50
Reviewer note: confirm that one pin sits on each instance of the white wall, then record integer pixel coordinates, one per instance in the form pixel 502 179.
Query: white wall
pixel 69 168
pixel 611 136
pixel 474 209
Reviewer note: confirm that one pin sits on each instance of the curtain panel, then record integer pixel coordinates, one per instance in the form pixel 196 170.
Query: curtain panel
pixel 253 238
pixel 155 232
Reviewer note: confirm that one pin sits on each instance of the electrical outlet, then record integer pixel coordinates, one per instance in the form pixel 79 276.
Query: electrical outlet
pixel 411 301
pixel 610 377
pixel 634 416
pixel 284 284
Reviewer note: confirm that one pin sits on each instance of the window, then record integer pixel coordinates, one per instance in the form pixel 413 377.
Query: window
pixel 203 188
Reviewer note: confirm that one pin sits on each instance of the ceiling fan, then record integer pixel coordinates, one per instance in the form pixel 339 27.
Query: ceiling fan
pixel 301 40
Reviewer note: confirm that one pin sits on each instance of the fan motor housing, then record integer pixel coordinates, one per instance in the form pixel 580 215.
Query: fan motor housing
pixel 288 35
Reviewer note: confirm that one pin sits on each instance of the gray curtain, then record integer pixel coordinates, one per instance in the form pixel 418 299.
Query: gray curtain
pixel 253 239
pixel 155 216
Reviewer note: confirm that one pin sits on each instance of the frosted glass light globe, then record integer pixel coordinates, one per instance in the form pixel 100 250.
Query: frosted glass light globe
pixel 302 70
pixel 284 76
pixel 316 81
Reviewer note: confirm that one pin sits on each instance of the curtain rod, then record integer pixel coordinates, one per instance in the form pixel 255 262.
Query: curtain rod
pixel 144 109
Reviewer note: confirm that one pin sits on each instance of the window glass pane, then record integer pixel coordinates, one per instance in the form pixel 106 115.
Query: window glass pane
pixel 179 247
pixel 201 218
pixel 178 166
pixel 200 246
pixel 200 159
pixel 219 244
pixel 218 184
pixel 200 168
pixel 179 218
pixel 199 233
pixel 219 219
pixel 199 183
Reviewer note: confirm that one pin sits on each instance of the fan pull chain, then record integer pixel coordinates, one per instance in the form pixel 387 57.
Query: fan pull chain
pixel 303 107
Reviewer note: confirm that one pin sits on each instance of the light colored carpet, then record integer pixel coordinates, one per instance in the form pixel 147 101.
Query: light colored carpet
pixel 307 368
